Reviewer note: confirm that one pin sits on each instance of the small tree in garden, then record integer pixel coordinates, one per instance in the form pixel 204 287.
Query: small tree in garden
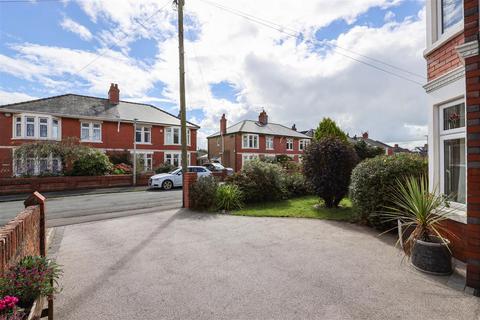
pixel 327 165
pixel 92 163
pixel 328 128
pixel 364 151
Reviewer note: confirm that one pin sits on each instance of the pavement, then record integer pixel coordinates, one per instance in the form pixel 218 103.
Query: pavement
pixel 181 265
pixel 94 205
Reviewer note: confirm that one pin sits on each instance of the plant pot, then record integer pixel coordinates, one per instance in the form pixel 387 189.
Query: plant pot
pixel 432 256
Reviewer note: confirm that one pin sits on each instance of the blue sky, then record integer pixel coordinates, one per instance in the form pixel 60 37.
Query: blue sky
pixel 233 66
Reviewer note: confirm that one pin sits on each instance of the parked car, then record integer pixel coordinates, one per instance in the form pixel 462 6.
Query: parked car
pixel 174 179
pixel 218 167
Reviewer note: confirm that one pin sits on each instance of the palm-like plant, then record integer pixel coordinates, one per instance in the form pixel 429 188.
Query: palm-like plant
pixel 416 207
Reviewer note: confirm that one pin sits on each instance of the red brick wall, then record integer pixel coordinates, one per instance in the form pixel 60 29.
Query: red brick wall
pixel 20 238
pixel 472 74
pixel 458 238
pixel 6 162
pixel 444 59
pixel 45 184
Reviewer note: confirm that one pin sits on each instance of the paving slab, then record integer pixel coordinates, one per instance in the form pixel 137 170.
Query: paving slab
pixel 182 265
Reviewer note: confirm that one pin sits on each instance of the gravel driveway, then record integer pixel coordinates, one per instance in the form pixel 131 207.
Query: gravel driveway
pixel 180 265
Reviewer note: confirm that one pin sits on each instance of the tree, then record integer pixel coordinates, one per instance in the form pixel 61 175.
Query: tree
pixel 365 151
pixel 327 165
pixel 328 128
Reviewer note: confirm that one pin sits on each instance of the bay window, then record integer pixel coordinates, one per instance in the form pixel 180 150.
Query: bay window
pixel 27 126
pixel 250 141
pixel 248 157
pixel 32 166
pixel 175 158
pixel 450 14
pixel 91 132
pixel 453 170
pixel 145 161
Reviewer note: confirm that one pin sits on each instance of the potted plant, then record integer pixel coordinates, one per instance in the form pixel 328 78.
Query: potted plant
pixel 420 213
pixel 33 277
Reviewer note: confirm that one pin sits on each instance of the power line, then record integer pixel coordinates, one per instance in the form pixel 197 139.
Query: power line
pixel 296 35
pixel 29 1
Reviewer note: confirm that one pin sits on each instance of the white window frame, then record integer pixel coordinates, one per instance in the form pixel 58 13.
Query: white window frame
pixel 170 131
pixel 172 156
pixel 147 159
pixel 247 157
pixel 270 143
pixel 452 134
pixel 303 144
pixel 143 130
pixel 90 131
pixel 21 119
pixel 448 32
pixel 36 165
pixel 250 141
pixel 288 142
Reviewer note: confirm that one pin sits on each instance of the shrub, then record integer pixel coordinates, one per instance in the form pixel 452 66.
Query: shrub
pixel 165 168
pixel 364 151
pixel 229 197
pixel 120 157
pixel 327 165
pixel 203 193
pixel 91 163
pixel 374 179
pixel 296 185
pixel 327 128
pixel 122 168
pixel 31 278
pixel 259 181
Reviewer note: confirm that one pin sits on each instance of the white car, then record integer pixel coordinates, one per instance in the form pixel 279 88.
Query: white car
pixel 174 179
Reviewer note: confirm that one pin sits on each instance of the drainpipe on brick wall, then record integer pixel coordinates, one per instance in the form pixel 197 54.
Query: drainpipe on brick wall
pixel 135 151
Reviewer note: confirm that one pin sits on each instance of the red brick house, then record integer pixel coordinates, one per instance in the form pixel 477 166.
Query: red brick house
pixel 106 124
pixel 247 140
pixel 453 90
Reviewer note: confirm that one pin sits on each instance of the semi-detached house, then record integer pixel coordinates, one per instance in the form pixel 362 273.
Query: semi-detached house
pixel 249 139
pixel 453 91
pixel 107 124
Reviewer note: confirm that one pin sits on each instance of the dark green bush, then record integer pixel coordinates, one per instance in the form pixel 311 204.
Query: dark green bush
pixel 203 194
pixel 327 165
pixel 364 151
pixel 165 168
pixel 119 157
pixel 373 181
pixel 259 181
pixel 296 185
pixel 229 197
pixel 91 163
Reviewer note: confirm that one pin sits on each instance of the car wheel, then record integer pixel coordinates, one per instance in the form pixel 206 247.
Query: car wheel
pixel 167 185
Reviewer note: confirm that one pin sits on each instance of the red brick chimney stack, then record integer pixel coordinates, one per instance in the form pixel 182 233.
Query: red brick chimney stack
pixel 263 118
pixel 114 94
pixel 365 135
pixel 223 125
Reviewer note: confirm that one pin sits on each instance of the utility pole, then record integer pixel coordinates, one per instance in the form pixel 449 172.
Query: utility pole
pixel 181 55
pixel 135 151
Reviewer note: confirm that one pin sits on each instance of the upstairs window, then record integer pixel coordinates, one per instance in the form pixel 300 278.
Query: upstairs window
pixel 173 136
pixel 18 127
pixel 43 126
pixel 289 144
pixel 35 127
pixel 30 125
pixel 55 129
pixel 450 15
pixel 269 143
pixel 303 144
pixel 91 132
pixel 250 141
pixel 143 135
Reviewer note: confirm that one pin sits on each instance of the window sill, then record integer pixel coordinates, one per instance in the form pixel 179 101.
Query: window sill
pixel 444 38
pixel 35 138
pixel 144 143
pixel 91 141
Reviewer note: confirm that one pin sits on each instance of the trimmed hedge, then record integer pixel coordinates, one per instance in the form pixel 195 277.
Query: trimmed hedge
pixel 203 194
pixel 373 180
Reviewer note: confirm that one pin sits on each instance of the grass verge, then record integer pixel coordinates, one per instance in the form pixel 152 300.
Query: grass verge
pixel 303 207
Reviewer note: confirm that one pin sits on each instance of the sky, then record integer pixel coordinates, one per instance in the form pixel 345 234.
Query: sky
pixel 359 62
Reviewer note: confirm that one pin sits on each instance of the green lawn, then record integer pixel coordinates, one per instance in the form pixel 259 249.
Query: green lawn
pixel 303 207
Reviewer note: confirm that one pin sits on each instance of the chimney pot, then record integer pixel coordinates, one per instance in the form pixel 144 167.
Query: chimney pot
pixel 113 94
pixel 365 135
pixel 294 127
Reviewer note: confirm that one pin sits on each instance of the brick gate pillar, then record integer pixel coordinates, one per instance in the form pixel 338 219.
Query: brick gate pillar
pixel 472 76
pixel 188 179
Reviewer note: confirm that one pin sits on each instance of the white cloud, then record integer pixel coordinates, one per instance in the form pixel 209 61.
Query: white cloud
pixel 389 16
pixel 7 97
pixel 77 28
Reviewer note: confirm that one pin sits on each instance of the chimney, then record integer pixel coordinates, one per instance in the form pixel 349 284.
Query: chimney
pixel 263 118
pixel 396 145
pixel 294 127
pixel 114 94
pixel 223 125
pixel 365 135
